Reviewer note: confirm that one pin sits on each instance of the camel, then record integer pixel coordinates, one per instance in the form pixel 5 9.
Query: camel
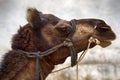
pixel 43 32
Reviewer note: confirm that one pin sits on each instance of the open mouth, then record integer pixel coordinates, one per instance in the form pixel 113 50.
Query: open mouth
pixel 102 42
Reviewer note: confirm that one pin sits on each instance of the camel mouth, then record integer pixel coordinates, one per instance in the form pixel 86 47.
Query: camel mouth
pixel 100 42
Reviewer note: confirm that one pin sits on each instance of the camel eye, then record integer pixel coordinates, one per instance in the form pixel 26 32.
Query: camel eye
pixel 64 30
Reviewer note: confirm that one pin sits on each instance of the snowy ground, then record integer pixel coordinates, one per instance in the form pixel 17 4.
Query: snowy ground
pixel 99 64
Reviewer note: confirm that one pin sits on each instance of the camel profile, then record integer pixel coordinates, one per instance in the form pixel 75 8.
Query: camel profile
pixel 43 32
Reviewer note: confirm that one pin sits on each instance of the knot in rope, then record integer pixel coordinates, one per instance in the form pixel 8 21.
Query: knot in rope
pixel 94 40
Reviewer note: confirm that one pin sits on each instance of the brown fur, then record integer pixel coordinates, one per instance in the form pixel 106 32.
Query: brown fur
pixel 42 32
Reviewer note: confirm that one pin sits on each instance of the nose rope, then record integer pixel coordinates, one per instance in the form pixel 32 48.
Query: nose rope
pixel 91 40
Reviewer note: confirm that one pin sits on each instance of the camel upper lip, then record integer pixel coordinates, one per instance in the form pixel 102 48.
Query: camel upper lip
pixel 106 40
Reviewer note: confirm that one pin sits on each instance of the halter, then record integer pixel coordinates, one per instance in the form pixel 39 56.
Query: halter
pixel 39 55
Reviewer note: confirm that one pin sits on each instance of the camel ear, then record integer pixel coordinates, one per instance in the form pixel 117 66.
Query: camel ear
pixel 35 18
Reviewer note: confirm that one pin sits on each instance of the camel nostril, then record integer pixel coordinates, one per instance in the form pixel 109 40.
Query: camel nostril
pixel 104 29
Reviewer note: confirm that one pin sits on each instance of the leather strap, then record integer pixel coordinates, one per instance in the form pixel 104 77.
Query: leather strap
pixel 72 49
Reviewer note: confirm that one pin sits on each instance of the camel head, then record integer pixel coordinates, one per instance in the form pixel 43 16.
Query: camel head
pixel 51 31
pixel 45 31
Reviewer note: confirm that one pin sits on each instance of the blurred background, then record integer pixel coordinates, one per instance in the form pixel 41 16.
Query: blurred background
pixel 99 63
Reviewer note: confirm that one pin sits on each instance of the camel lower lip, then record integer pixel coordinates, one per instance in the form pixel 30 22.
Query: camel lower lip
pixel 105 43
